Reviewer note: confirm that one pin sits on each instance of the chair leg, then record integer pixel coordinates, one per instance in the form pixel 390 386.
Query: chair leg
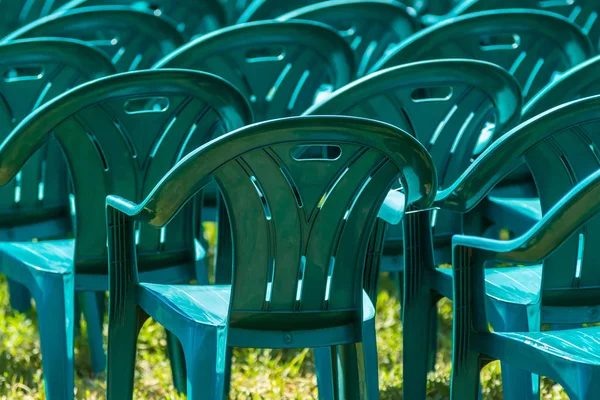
pixel 367 362
pixel 465 380
pixel 205 352
pixel 20 298
pixel 325 360
pixel 227 379
pixel 416 341
pixel 94 318
pixel 123 333
pixel 177 359
pixel 55 317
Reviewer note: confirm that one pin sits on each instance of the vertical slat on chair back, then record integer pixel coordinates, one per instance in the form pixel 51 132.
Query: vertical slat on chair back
pixel 534 46
pixel 281 67
pixel 120 135
pixel 32 73
pixel 131 39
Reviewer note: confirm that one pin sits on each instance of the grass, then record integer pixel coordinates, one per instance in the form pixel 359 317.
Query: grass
pixel 257 374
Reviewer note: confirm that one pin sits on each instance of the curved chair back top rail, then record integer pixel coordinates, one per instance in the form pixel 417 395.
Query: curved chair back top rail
pixel 33 72
pixel 443 103
pixel 581 81
pixel 584 13
pixel 131 39
pixel 371 27
pixel 533 45
pixel 16 13
pixel 560 147
pixel 191 17
pixel 120 134
pixel 258 10
pixel 300 225
pixel 281 67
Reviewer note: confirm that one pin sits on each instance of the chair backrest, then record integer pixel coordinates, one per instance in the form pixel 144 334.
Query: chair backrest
pixel 444 104
pixel 233 9
pixel 132 39
pixel 534 46
pixel 561 148
pixel 16 13
pixel 281 67
pixel 192 17
pixel 120 135
pixel 584 13
pixel 258 10
pixel 300 225
pixel 581 81
pixel 33 72
pixel 371 27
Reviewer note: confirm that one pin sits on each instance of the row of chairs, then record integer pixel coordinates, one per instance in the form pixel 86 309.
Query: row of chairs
pixel 282 68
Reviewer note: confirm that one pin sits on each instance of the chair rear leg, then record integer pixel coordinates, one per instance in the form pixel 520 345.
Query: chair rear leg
pixel 123 331
pixel 465 379
pixel 20 298
pixel 177 360
pixel 367 362
pixel 205 352
pixel 94 318
pixel 325 368
pixel 227 379
pixel 56 317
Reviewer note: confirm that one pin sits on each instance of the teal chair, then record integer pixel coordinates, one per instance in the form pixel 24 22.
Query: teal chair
pixel 559 280
pixel 16 13
pixel 119 135
pixel 36 204
pixel 445 104
pixel 535 46
pixel 233 9
pixel 282 68
pixel 371 27
pixel 584 13
pixel 257 10
pixel 519 214
pixel 191 17
pixel 301 220
pixel 131 39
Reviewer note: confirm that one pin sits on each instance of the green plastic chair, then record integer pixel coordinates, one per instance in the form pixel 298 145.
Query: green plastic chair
pixel 559 282
pixel 36 204
pixel 444 104
pixel 119 135
pixel 16 13
pixel 517 213
pixel 233 9
pixel 281 67
pixel 131 39
pixel 584 13
pixel 371 27
pixel 192 18
pixel 300 228
pixel 534 46
pixel 258 10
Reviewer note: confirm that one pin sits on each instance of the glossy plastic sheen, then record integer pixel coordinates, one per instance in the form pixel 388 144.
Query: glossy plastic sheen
pixel 281 67
pixel 131 39
pixel 16 13
pixel 371 27
pixel 119 135
pixel 32 73
pixel 300 242
pixel 258 10
pixel 532 45
pixel 569 357
pixel 581 81
pixel 584 13
pixel 192 17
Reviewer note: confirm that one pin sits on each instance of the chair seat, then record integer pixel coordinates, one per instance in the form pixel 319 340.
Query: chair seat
pixel 517 285
pixel 52 256
pixel 204 304
pixel 581 345
pixel 516 214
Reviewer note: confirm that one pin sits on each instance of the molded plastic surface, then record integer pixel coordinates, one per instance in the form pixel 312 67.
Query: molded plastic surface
pixel 16 13
pixel 371 27
pixel 281 67
pixel 532 45
pixel 131 39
